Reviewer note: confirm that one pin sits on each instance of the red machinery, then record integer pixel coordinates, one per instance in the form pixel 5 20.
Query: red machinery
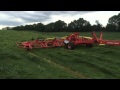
pixel 68 42
pixel 100 40
pixel 41 43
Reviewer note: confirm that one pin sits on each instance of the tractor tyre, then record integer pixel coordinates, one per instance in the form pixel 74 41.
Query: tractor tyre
pixel 71 46
pixel 65 45
pixel 89 45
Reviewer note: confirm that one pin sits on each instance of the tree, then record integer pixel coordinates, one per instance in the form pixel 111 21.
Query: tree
pixel 79 25
pixel 60 25
pixel 49 27
pixel 114 23
pixel 110 27
pixel 97 27
pixel 39 27
pixel 7 28
pixel 56 26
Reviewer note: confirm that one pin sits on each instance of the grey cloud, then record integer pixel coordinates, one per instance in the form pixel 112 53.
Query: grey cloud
pixel 35 16
pixel 10 23
pixel 28 17
pixel 64 12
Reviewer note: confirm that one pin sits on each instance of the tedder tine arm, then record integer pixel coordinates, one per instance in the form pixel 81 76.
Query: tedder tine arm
pixel 94 35
pixel 101 35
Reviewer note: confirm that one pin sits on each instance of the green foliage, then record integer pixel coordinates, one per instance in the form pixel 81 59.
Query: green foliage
pixel 114 23
pixel 79 25
pixel 61 26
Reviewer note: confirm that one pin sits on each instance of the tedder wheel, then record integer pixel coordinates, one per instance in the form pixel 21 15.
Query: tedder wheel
pixel 19 44
pixel 27 49
pixel 71 45
pixel 89 45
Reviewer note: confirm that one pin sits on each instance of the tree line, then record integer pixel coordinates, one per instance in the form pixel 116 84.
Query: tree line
pixel 79 25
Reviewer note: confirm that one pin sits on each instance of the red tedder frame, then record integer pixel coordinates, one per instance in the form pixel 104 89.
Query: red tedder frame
pixel 105 42
pixel 69 42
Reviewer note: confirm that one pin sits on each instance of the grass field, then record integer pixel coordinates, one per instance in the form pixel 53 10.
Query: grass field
pixel 98 62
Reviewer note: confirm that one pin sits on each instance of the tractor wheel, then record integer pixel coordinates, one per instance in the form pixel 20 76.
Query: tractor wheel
pixel 65 45
pixel 89 45
pixel 71 46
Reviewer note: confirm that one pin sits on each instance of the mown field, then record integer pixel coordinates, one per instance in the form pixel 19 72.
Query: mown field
pixel 98 62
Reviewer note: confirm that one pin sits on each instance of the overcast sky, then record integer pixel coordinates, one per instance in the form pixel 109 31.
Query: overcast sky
pixel 16 18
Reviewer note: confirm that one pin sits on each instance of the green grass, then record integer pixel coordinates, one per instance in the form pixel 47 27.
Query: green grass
pixel 99 62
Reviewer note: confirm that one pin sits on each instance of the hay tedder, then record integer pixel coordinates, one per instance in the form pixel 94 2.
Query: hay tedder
pixel 68 42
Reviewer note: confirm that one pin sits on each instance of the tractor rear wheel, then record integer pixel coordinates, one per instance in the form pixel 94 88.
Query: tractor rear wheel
pixel 65 45
pixel 71 46
pixel 89 45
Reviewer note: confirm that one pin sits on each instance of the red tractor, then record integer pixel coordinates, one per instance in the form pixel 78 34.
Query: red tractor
pixel 74 40
pixel 68 42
